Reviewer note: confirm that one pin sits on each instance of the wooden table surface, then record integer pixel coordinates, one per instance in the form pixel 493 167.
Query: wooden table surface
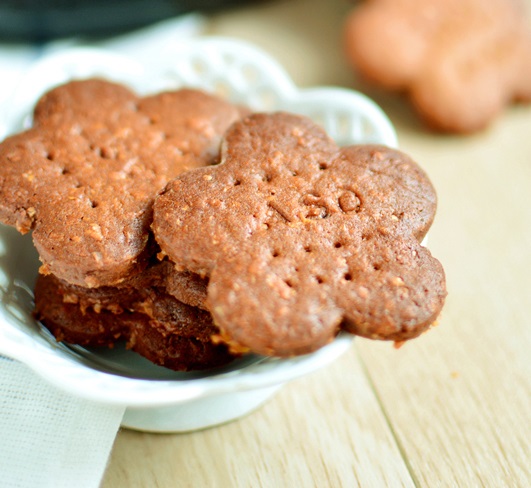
pixel 450 408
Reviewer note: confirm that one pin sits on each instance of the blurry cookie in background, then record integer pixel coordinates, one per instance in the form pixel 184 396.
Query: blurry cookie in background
pixel 461 62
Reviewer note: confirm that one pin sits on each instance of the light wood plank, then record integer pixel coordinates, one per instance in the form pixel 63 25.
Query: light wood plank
pixel 459 398
pixel 326 429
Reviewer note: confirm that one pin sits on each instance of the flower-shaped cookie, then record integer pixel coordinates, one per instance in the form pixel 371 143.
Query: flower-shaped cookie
pixel 85 175
pixel 300 238
pixel 460 61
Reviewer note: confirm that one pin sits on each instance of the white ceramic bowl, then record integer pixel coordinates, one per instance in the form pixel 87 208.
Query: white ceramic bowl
pixel 158 399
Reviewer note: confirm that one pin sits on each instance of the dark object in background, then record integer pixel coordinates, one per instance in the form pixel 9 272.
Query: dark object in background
pixel 42 20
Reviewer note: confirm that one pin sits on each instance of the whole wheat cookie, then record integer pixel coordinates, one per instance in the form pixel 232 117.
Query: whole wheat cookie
pixel 186 287
pixel 84 177
pixel 126 296
pixel 461 61
pixel 300 238
pixel 150 322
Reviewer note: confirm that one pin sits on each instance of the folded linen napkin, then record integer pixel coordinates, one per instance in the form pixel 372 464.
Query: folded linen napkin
pixel 49 439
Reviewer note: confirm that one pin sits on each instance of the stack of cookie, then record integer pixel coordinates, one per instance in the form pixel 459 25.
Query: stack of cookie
pixel 197 232
pixel 300 238
pixel 84 179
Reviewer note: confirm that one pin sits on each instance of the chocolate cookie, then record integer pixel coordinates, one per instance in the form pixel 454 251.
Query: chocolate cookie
pixel 187 287
pixel 84 177
pixel 116 299
pixel 461 61
pixel 156 325
pixel 300 238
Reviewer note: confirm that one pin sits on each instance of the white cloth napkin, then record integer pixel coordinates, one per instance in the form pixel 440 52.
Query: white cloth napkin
pixel 47 437
pixel 50 439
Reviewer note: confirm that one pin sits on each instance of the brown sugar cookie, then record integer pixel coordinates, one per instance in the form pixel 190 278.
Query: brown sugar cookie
pixel 300 238
pixel 116 299
pixel 186 287
pixel 83 178
pixel 68 322
pixel 158 327
pixel 460 61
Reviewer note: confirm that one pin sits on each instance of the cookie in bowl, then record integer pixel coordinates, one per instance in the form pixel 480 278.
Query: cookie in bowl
pixel 83 179
pixel 299 238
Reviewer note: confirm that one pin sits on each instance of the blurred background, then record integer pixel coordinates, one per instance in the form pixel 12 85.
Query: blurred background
pixel 41 21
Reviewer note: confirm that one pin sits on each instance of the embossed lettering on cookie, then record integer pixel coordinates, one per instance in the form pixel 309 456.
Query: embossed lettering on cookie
pixel 301 238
